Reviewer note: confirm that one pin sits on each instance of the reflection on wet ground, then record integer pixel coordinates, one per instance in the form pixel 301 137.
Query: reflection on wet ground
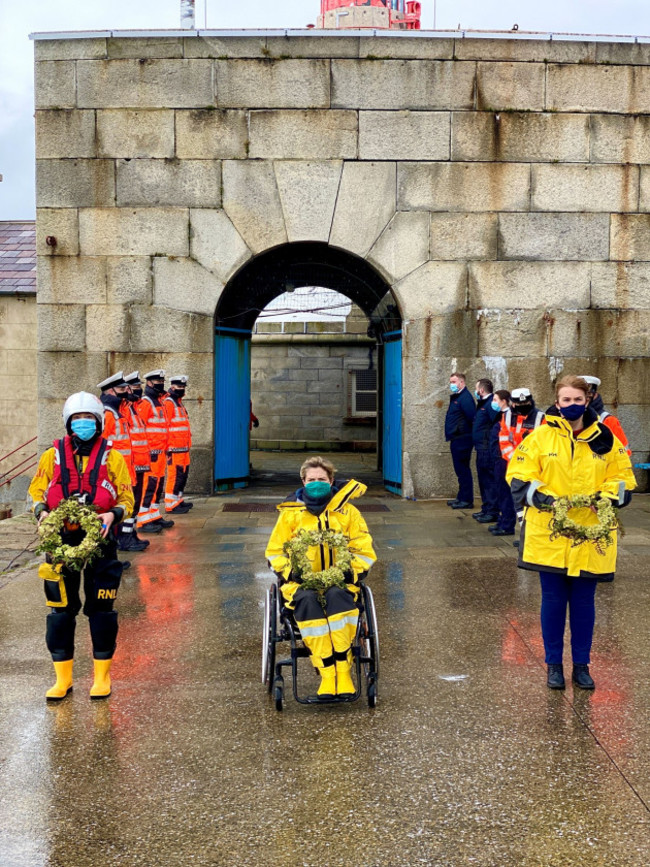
pixel 467 760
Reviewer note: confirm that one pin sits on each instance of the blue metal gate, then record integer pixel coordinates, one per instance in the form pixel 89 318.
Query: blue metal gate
pixel 392 412
pixel 232 353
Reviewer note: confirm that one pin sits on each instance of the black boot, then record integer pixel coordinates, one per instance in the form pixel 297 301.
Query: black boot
pixel 555 678
pixel 581 676
pixel 129 542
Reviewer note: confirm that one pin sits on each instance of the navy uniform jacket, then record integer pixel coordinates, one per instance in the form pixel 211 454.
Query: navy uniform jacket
pixel 460 415
pixel 484 422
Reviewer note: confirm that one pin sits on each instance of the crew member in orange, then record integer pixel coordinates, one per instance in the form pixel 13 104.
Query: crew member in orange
pixel 178 446
pixel 521 419
pixel 604 417
pixel 150 410
pixel 141 459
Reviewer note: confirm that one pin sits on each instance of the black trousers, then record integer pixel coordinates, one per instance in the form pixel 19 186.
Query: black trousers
pixel 101 580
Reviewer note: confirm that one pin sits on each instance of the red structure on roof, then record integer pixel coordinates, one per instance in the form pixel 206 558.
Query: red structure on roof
pixel 17 258
pixel 389 14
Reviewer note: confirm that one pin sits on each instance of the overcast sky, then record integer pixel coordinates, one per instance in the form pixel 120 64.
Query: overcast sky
pixel 19 18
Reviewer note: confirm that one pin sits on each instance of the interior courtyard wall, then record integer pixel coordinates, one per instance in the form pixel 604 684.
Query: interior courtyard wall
pixel 501 187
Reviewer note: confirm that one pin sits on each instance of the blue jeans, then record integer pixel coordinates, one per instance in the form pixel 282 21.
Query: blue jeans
pixel 579 594
pixel 461 455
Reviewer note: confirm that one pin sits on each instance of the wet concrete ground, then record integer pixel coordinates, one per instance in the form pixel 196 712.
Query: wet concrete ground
pixel 468 759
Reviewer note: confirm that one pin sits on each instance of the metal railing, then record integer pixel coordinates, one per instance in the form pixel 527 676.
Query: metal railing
pixel 20 468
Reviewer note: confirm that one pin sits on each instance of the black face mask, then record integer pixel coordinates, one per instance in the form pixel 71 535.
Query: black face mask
pixel 159 387
pixel 177 392
pixel 136 393
pixel 522 408
pixel 132 396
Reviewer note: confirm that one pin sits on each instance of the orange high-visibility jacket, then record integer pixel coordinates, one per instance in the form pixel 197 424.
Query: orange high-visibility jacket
pixel 139 441
pixel 152 414
pixel 178 424
pixel 616 428
pixel 116 429
pixel 510 435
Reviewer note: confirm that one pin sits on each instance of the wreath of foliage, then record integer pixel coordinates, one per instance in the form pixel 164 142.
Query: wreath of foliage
pixel 600 534
pixel 71 515
pixel 296 550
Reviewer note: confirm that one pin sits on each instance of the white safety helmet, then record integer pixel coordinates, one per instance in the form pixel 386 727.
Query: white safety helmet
pixel 83 401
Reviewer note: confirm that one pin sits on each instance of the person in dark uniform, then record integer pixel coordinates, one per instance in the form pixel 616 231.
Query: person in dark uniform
pixel 481 429
pixel 458 433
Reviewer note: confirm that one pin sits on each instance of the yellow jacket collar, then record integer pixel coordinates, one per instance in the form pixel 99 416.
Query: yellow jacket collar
pixel 350 491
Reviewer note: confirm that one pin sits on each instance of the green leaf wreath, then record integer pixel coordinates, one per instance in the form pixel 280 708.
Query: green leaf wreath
pixel 71 514
pixel 296 550
pixel 600 534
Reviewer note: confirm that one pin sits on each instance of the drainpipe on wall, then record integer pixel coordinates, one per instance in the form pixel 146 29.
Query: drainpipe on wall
pixel 187 14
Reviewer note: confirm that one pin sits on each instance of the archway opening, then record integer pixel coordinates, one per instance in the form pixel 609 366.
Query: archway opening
pixel 265 278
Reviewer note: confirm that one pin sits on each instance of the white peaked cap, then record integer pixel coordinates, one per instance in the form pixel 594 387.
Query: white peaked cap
pixel 114 379
pixel 181 378
pixel 83 401
pixel 132 377
pixel 155 374
pixel 591 380
pixel 520 394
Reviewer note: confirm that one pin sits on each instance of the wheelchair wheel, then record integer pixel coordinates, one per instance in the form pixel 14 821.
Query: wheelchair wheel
pixel 371 637
pixel 278 693
pixel 268 635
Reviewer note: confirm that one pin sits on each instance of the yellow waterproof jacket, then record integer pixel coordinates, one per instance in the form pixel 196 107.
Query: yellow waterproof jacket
pixel 341 517
pixel 116 467
pixel 552 463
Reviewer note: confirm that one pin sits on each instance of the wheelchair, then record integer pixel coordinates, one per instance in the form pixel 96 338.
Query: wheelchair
pixel 280 627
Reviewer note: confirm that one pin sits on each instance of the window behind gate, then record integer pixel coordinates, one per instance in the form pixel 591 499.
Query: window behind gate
pixel 362 392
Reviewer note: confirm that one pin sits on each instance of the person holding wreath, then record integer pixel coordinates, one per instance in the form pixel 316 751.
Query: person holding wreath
pixel 81 492
pixel 567 478
pixel 319 548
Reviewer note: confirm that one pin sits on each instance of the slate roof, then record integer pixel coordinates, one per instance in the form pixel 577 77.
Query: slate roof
pixel 17 257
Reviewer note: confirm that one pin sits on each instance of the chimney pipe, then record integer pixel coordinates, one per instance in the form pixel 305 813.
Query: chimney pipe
pixel 187 14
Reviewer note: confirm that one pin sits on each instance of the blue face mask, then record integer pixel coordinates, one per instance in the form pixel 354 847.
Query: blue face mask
pixel 84 428
pixel 495 406
pixel 453 388
pixel 574 411
pixel 318 490
pixel 477 395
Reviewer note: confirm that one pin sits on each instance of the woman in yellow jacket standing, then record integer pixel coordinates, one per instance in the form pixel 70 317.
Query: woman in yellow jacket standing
pixel 327 634
pixel 572 454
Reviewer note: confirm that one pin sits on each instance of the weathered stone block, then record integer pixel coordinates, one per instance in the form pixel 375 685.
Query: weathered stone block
pixel 60 374
pixel 517 86
pixel 404 48
pixel 201 477
pixel 633 333
pixel 526 285
pixel 403 245
pixel 612 89
pixel 173 330
pixel 520 137
pixel 186 183
pixel 463 236
pixel 65 133
pixel 71 280
pixel 620 284
pixel 128 280
pixel 221 47
pixel 273 83
pixel 636 424
pixel 451 334
pixel 634 381
pixel 252 201
pixel 524 50
pixel 62 224
pixel 540 375
pixel 216 244
pixel 414 135
pixel 308 194
pixel 75 183
pixel 630 237
pixel 54 84
pixel 584 188
pixel 463 186
pixel 511 333
pixel 147 46
pixel 632 53
pixel 208 134
pixel 134 232
pixel 108 327
pixel 144 84
pixel 554 236
pixel 70 49
pixel 619 139
pixel 306 135
pixel 365 205
pixel 61 328
pixel 435 288
pixel 183 284
pixel 300 47
pixel 135 134
pixel 399 84
pixel 576 334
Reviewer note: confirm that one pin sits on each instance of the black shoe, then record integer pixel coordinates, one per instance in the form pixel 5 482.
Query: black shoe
pixel 151 527
pixel 128 542
pixel 126 564
pixel 144 542
pixel 501 532
pixel 487 518
pixel 452 502
pixel 476 515
pixel 183 509
pixel 581 677
pixel 555 678
pixel 461 504
pixel 515 544
pixel 163 524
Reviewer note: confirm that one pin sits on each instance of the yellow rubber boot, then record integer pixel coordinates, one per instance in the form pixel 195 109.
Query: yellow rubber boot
pixel 101 688
pixel 63 684
pixel 344 682
pixel 327 688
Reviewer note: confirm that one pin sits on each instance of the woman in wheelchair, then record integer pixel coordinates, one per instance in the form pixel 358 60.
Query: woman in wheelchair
pixel 326 632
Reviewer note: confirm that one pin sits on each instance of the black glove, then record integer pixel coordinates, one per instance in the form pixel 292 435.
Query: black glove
pixel 543 501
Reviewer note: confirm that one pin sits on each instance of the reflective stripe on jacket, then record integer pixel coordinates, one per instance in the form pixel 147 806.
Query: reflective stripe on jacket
pixel 116 429
pixel 141 458
pixel 551 461
pixel 511 435
pixel 152 414
pixel 341 517
pixel 178 424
